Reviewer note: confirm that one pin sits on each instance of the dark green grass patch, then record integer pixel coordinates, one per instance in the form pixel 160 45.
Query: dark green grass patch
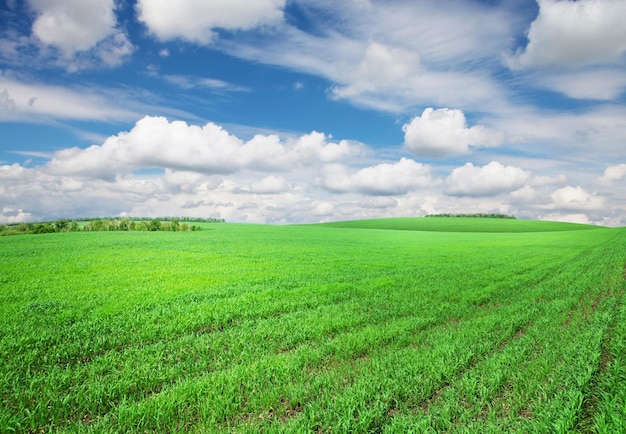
pixel 249 328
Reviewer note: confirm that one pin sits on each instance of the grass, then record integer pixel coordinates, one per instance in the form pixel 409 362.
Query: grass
pixel 321 328
pixel 465 224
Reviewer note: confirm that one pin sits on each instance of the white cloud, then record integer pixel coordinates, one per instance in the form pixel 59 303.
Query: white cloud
pixel 210 149
pixel 536 194
pixel 567 218
pixel 77 27
pixel 73 25
pixel 603 84
pixel 595 134
pixel 195 20
pixel 394 56
pixel 576 199
pixel 190 82
pixel 443 132
pixel 314 147
pixel 114 50
pixel 526 194
pixel 380 202
pixel 10 215
pixel 575 33
pixel 13 172
pixel 30 101
pixel 489 180
pixel 392 78
pixel 172 168
pixel 612 174
pixel 178 181
pixel 293 182
pixel 383 179
pixel 153 142
pixel 39 102
pixel 382 67
pixel 270 185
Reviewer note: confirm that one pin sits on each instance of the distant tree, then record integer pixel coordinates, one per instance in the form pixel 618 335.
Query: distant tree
pixel 25 227
pixel 154 225
pixel 478 215
pixel 43 228
pixel 61 225
pixel 123 225
pixel 174 225
pixel 97 225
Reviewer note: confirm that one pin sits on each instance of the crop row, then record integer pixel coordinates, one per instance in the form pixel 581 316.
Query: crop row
pixel 318 329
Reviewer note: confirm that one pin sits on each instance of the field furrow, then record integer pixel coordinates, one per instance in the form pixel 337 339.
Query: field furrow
pixel 314 329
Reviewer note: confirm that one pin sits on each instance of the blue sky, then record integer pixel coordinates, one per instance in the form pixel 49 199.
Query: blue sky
pixel 289 111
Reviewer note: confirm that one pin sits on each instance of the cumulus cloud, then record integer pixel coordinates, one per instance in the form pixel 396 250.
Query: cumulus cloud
pixel 10 215
pixel 526 194
pixel 178 181
pixel 382 179
pixel 576 199
pixel 489 180
pixel 567 218
pixel 382 67
pixel 204 170
pixel 195 20
pixel 73 25
pixel 270 185
pixel 444 132
pixel 13 172
pixel 162 167
pixel 612 174
pixel 574 33
pixel 209 149
pixel 76 26
pixel 400 188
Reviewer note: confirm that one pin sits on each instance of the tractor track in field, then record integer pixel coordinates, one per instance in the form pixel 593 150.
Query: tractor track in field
pixel 590 402
pixel 436 395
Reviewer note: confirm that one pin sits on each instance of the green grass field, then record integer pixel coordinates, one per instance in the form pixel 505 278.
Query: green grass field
pixel 402 325
pixel 453 224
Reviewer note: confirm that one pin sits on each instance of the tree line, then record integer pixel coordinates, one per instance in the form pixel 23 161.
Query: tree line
pixel 172 224
pixel 478 215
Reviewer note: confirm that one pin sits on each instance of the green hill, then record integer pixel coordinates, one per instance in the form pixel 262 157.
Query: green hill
pixel 461 224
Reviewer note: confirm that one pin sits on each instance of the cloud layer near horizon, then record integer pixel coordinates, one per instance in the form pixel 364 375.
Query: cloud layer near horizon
pixel 163 167
pixel 512 107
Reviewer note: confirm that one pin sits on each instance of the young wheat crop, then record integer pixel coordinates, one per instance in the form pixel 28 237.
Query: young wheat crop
pixel 351 327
